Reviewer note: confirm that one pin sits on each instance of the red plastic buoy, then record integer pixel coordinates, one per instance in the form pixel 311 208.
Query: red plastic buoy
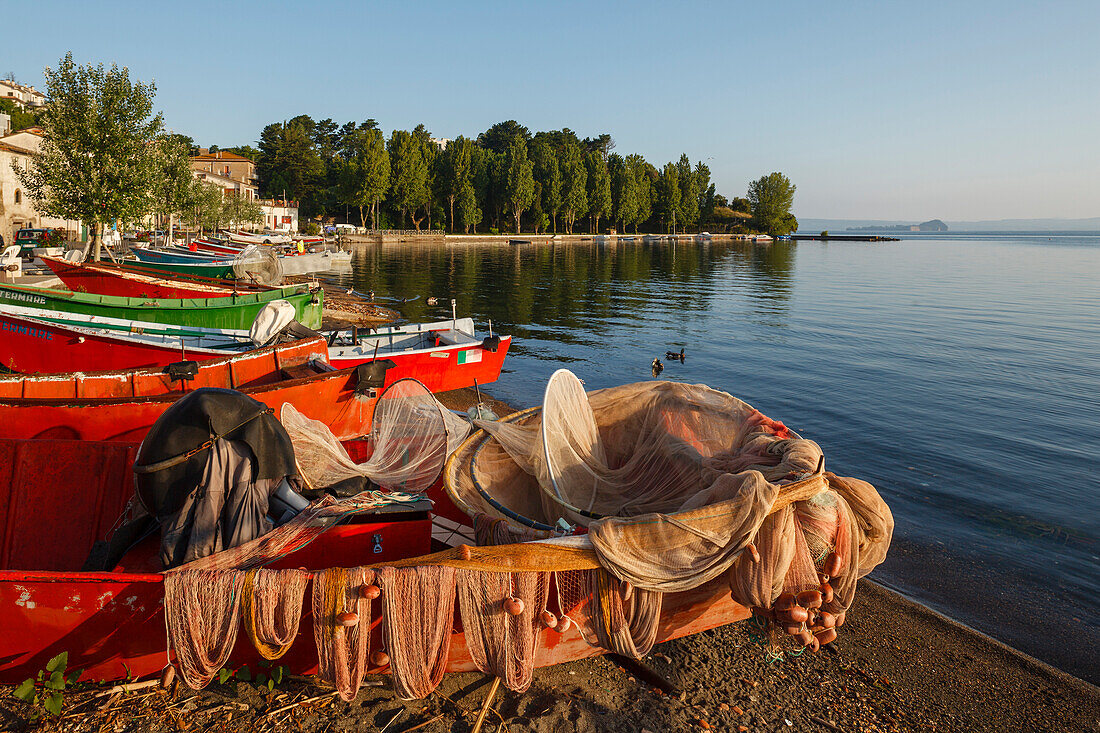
pixel 347 618
pixel 379 658
pixel 809 599
pixel 785 601
pixel 464 552
pixel 826 593
pixel 563 624
pixel 513 606
pixel 370 591
pixel 833 565
pixel 827 636
pixel 754 555
pixel 626 590
pixel 548 619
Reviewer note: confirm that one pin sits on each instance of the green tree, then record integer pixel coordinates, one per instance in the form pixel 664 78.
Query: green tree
pixel 574 197
pixel 668 196
pixel 364 174
pixel 708 197
pixel 598 188
pixel 203 208
pixel 173 181
pixel 456 172
pixel 644 176
pixel 770 198
pixel 689 193
pixel 469 213
pixel 20 118
pixel 519 186
pixel 97 160
pixel 239 210
pixel 290 165
pixel 408 175
pixel 499 137
pixel 548 177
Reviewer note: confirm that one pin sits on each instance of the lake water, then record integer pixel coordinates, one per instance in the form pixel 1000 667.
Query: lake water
pixel 960 374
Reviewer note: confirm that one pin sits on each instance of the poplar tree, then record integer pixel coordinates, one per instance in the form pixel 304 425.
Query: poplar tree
pixel 97 159
pixel 668 195
pixel 574 197
pixel 689 193
pixel 456 172
pixel 598 188
pixel 519 187
pixel 364 174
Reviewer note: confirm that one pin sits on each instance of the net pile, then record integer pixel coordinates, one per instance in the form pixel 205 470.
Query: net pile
pixel 271 607
pixel 417 616
pixel 676 485
pixel 411 436
pixel 202 609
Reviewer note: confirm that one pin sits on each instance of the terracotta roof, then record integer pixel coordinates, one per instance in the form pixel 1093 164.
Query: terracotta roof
pixel 221 155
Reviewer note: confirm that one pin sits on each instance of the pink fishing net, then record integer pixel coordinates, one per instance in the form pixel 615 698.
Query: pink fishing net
pixel 202 610
pixel 417 620
pixel 271 608
pixel 341 626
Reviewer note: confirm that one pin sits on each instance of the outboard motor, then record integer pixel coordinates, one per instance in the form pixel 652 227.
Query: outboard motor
pixel 217 470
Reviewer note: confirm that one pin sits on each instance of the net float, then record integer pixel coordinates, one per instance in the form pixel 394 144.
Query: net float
pixel 347 618
pixel 805 638
pixel 795 614
pixel 754 555
pixel 167 677
pixel 826 619
pixel 464 552
pixel 513 606
pixel 793 629
pixel 548 619
pixel 840 619
pixel 809 599
pixel 826 593
pixel 369 591
pixel 833 565
pixel 825 637
pixel 815 645
pixel 379 658
pixel 626 590
pixel 785 601
pixel 563 624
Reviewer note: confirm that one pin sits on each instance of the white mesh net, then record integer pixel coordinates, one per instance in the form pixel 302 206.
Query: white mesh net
pixel 411 436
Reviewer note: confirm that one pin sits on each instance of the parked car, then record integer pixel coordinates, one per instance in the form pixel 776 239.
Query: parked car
pixel 29 239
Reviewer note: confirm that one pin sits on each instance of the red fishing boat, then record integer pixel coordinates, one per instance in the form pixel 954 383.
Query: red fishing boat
pixel 123 405
pixel 443 356
pixel 134 281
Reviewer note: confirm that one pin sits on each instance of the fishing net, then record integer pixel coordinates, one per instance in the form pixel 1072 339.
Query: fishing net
pixel 502 617
pixel 271 607
pixel 341 626
pixel 411 436
pixel 417 617
pixel 202 611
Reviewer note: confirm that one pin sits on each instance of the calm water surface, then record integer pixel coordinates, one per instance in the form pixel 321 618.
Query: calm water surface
pixel 959 374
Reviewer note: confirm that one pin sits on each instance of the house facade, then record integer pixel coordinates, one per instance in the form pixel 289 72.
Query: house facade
pixel 16 208
pixel 280 215
pixel 226 165
pixel 26 97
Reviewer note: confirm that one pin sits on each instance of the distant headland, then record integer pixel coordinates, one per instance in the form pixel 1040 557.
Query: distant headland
pixel 934 225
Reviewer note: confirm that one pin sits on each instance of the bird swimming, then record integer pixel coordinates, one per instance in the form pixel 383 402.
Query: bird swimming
pixel 671 355
pixel 658 367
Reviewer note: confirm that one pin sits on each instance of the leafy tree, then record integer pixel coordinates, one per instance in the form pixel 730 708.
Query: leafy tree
pixel 456 172
pixel 707 193
pixel 741 204
pixel 598 188
pixel 519 185
pixel 469 214
pixel 173 181
pixel 770 198
pixel 645 176
pixel 97 161
pixel 498 137
pixel 547 176
pixel 689 193
pixel 203 207
pixel 20 118
pixel 668 195
pixel 290 165
pixel 602 144
pixel 364 174
pixel 574 185
pixel 238 210
pixel 408 175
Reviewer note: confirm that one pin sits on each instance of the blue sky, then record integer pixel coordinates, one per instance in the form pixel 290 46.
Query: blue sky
pixel 891 110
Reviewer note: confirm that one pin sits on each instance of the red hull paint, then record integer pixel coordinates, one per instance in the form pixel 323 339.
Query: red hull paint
pixel 122 406
pixel 31 346
pixel 135 282
pixel 113 623
pixel 439 369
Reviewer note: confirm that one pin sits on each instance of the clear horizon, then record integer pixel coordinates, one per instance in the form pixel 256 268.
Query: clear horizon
pixel 970 111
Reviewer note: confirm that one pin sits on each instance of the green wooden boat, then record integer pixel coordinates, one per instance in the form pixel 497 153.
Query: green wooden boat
pixel 235 311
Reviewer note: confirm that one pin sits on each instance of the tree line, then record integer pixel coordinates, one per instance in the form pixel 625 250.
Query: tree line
pixel 505 178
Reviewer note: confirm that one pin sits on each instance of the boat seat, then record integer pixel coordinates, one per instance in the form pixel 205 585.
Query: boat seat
pixel 299 371
pixel 451 337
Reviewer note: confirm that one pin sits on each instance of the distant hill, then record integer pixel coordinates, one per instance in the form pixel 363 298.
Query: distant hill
pixel 933 225
pixel 813 226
